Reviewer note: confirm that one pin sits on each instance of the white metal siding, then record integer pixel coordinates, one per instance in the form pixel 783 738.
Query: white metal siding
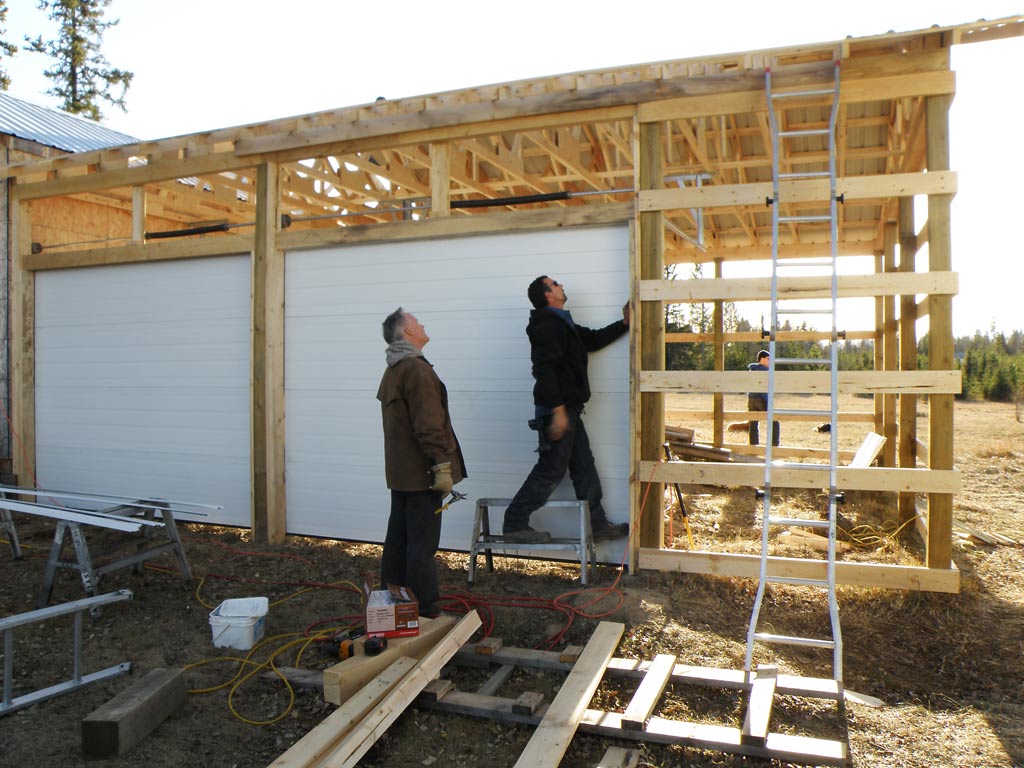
pixel 470 294
pixel 142 381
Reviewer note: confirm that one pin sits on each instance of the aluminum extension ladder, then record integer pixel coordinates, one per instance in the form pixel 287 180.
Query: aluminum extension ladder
pixel 783 307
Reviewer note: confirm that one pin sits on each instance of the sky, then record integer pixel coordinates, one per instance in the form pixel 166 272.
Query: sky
pixel 205 64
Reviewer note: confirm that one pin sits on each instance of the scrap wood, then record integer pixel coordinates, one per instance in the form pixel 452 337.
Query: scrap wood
pixel 988 537
pixel 364 735
pixel 551 739
pixel 816 540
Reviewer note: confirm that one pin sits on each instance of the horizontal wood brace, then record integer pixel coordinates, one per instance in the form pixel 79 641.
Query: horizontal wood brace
pixel 747 336
pixel 847 478
pixel 186 248
pixel 842 416
pixel 809 382
pixel 799 191
pixel 455 226
pixel 754 100
pixel 881 575
pixel 804 287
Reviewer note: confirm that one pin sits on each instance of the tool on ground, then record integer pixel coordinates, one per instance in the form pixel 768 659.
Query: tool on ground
pixel 374 645
pixel 679 495
pixel 342 645
pixel 456 496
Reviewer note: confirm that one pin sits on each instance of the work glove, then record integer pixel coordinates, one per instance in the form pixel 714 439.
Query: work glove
pixel 442 477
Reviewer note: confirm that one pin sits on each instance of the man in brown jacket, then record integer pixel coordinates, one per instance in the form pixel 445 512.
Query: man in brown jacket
pixel 422 459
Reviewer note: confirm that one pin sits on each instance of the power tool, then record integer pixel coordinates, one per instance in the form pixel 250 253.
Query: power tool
pixel 342 645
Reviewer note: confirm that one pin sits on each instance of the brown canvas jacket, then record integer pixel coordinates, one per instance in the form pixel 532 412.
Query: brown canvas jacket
pixel 417 426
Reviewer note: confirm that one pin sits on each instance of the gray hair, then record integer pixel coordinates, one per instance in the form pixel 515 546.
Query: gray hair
pixel 393 325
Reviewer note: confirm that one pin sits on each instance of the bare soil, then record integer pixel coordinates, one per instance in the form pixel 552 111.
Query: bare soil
pixel 949 669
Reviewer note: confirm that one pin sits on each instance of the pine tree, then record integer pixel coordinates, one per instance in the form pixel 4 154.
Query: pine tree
pixel 82 77
pixel 6 49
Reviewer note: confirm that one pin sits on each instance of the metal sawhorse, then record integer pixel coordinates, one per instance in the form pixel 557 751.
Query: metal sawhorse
pixel 484 542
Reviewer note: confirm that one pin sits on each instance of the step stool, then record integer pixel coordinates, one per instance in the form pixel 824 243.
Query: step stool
pixel 484 542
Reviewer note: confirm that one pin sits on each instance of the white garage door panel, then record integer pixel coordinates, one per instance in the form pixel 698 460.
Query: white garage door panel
pixel 470 293
pixel 142 381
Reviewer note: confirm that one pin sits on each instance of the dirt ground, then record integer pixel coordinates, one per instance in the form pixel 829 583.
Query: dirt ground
pixel 949 669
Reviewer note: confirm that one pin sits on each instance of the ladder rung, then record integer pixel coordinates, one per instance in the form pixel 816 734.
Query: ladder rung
pixel 796 265
pixel 782 311
pixel 803 361
pixel 800 94
pixel 804 174
pixel 802 411
pixel 811 642
pixel 806 132
pixel 798 219
pixel 798 522
pixel 797 581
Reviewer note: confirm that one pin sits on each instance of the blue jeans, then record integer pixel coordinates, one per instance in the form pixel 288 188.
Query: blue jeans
pixel 760 403
pixel 571 453
pixel 414 532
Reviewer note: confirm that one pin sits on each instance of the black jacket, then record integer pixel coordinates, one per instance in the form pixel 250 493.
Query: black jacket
pixel 559 356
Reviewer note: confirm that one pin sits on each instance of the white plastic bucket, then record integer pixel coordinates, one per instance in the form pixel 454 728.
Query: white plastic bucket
pixel 239 623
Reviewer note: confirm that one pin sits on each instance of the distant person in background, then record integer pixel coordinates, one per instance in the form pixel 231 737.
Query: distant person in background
pixel 758 401
pixel 422 459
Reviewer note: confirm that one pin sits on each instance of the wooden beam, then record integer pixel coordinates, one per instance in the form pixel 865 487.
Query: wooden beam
pixel 862 417
pixel 798 191
pixel 23 342
pixel 889 346
pixel 646 697
pixel 651 333
pixel 550 741
pixel 847 573
pixel 848 478
pixel 759 705
pixel 269 522
pixel 440 180
pixel 504 221
pixel 344 679
pixel 940 336
pixel 907 502
pixel 813 287
pixel 753 100
pixel 755 336
pixel 790 382
pixel 166 250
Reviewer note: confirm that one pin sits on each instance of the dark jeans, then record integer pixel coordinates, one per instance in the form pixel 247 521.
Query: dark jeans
pixel 760 403
pixel 572 452
pixel 414 532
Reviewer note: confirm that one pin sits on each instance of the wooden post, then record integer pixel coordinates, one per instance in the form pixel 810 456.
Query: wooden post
pixel 440 179
pixel 890 354
pixel 940 336
pixel 651 331
pixel 718 399
pixel 23 345
pixel 138 214
pixel 908 356
pixel 268 490
pixel 878 358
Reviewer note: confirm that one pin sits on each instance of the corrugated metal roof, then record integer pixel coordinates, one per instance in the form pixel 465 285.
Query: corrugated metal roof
pixel 54 128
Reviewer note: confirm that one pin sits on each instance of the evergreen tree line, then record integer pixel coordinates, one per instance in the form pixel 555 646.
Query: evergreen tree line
pixel 992 364
pixel 80 74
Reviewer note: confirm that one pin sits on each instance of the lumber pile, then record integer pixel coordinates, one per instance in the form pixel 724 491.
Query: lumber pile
pixel 349 732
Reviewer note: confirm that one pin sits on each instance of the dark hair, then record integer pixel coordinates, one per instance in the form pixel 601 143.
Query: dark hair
pixel 393 325
pixel 537 292
pixel 762 354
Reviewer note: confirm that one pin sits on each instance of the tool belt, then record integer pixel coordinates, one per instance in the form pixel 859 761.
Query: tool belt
pixel 540 425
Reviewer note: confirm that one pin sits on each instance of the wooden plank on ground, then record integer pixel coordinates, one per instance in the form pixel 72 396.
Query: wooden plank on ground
pixel 619 757
pixel 552 737
pixel 345 678
pixel 356 743
pixel 312 747
pixel 759 705
pixel 642 705
pixel 128 718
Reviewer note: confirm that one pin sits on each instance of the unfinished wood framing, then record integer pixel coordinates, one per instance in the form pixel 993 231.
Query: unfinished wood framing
pixel 617 145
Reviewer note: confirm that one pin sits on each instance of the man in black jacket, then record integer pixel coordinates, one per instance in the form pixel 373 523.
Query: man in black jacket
pixel 558 352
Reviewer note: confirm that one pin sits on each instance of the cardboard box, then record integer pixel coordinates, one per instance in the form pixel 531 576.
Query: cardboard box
pixel 392 612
